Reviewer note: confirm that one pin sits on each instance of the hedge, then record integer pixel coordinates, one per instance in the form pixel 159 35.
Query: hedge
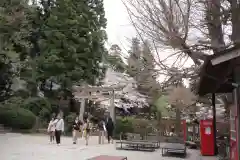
pixel 133 125
pixel 17 118
pixel 122 126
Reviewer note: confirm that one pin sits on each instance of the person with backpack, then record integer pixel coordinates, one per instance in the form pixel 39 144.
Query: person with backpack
pixel 76 128
pixel 86 129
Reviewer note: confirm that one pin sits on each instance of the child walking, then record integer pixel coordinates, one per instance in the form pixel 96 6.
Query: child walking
pixel 51 130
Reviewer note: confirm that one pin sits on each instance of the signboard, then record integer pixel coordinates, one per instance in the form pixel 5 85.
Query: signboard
pixel 207 130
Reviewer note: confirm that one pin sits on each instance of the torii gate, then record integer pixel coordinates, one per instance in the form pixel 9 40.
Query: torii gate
pixel 94 92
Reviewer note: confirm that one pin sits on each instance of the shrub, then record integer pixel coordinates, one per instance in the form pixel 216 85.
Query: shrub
pixel 123 125
pixel 69 119
pixel 142 126
pixel 13 102
pixel 37 106
pixel 17 118
pixel 133 125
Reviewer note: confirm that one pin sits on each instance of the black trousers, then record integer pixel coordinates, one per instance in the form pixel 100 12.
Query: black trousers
pixel 58 136
pixel 109 135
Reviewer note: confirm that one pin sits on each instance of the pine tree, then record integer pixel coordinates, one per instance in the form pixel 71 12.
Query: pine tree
pixel 141 67
pixel 134 60
pixel 114 59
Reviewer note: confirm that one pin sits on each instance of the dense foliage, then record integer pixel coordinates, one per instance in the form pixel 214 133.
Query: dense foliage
pixel 49 45
pixel 6 76
pixel 72 45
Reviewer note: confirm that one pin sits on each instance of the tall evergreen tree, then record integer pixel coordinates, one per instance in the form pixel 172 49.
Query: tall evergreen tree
pixel 72 45
pixel 14 44
pixel 114 59
pixel 141 67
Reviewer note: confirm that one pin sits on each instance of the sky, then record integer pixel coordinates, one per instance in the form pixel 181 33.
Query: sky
pixel 119 29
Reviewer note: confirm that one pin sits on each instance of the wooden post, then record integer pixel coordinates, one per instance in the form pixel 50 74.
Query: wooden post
pixel 112 108
pixel 238 121
pixel 214 123
pixel 237 104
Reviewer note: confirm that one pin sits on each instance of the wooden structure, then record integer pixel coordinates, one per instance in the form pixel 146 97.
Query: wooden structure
pixel 174 148
pixel 94 93
pixel 106 157
pixel 136 142
pixel 220 74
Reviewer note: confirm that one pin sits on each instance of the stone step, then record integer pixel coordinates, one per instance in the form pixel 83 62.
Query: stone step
pixel 3 129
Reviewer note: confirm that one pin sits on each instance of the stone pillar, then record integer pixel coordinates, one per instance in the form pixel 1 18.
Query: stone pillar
pixel 82 109
pixel 112 107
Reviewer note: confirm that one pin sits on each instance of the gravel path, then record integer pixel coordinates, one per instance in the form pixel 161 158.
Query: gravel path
pixel 36 147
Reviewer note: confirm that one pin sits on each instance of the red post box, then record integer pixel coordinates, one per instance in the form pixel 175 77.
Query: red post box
pixel 207 137
pixel 184 128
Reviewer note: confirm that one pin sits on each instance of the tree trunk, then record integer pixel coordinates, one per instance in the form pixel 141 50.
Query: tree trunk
pixel 194 132
pixel 159 118
pixel 178 121
pixel 214 24
pixel 235 6
pixel 159 124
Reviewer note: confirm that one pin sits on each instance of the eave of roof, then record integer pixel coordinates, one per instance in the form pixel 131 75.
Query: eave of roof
pixel 216 78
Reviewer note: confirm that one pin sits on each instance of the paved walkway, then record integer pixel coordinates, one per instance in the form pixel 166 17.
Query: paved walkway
pixel 35 147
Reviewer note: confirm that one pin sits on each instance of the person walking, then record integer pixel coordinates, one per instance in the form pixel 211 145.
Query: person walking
pixel 101 132
pixel 109 128
pixel 76 130
pixel 51 129
pixel 59 129
pixel 86 129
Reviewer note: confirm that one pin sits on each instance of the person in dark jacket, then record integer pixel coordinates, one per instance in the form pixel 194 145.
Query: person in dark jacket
pixel 109 128
pixel 76 129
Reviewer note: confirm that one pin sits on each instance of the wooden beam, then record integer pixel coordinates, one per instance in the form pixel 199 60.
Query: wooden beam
pixel 80 96
pixel 226 57
pixel 100 89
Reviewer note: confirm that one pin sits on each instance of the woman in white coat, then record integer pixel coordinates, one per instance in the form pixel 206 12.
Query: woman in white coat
pixel 59 129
